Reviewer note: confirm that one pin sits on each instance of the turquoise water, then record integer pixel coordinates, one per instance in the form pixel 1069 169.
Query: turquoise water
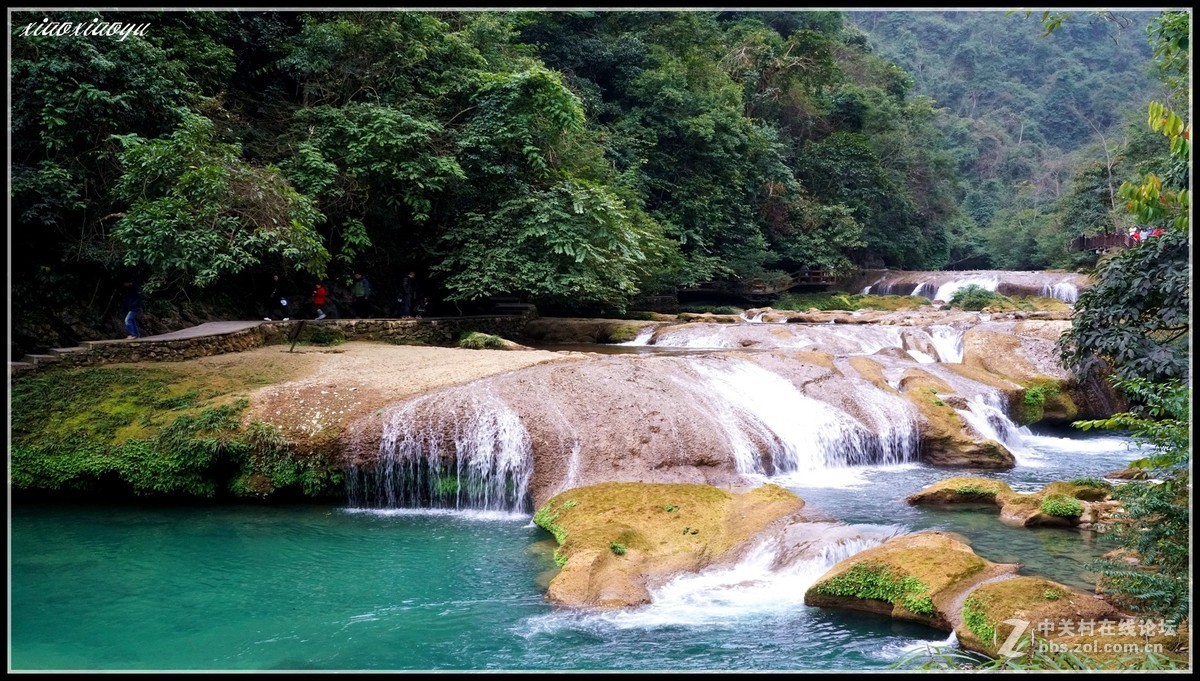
pixel 312 587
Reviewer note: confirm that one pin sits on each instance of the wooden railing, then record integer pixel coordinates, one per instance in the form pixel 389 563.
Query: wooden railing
pixel 1102 242
pixel 756 288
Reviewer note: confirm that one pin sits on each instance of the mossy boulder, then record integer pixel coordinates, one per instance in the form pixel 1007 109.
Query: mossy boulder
pixel 916 577
pixel 1047 400
pixel 946 440
pixel 960 490
pixel 988 610
pixel 616 540
pixel 1084 503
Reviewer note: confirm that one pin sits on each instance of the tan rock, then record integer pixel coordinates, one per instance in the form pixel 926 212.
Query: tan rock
pixel 918 577
pixel 618 539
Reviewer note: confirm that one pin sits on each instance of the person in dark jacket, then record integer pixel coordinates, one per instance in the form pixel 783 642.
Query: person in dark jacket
pixel 361 291
pixel 280 302
pixel 408 294
pixel 131 305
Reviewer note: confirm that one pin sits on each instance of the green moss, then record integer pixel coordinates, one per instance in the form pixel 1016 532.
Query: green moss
pixel 474 340
pixel 977 621
pixel 878 582
pixel 547 519
pixel 1035 398
pixel 1061 506
pixel 710 309
pixel 1052 594
pixel 975 490
pixel 617 548
pixel 847 301
pixel 151 432
pixel 670 509
pixel 1093 483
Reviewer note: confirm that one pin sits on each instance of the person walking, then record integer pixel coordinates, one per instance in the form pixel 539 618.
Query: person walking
pixel 361 290
pixel 408 295
pixel 131 305
pixel 280 301
pixel 320 296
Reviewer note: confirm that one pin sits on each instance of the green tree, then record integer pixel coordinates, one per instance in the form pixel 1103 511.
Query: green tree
pixel 198 212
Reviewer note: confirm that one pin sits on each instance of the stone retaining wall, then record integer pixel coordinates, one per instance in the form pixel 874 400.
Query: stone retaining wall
pixel 440 331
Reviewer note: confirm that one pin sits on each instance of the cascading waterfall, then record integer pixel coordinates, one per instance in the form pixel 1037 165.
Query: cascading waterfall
pixel 461 449
pixel 759 409
pixel 1064 290
pixel 941 285
pixel 643 337
pixel 947 290
pixel 766 580
pixel 949 343
pixel 756 319
pixel 987 414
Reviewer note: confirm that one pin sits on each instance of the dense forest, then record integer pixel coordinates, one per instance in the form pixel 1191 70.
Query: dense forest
pixel 1044 129
pixel 573 159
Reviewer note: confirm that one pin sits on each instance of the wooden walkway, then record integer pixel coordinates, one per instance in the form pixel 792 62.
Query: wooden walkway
pixel 758 289
pixel 1102 242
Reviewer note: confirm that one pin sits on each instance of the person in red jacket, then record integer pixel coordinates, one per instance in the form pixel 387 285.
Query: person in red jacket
pixel 318 299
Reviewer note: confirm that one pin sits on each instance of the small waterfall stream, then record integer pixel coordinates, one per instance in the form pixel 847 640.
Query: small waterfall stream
pixel 774 428
pixel 460 449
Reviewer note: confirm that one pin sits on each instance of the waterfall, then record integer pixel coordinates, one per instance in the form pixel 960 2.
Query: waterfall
pixel 756 319
pixel 643 337
pixel 949 343
pixel 921 357
pixel 920 289
pixel 947 290
pixel 460 449
pixel 1063 290
pixel 767 580
pixel 987 415
pixel 761 410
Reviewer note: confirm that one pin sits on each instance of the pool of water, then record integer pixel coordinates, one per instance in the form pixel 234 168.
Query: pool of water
pixel 314 587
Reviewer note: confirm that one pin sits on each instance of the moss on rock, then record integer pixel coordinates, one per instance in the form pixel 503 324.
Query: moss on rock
pixel 911 577
pixel 1083 503
pixel 945 438
pixel 988 611
pixel 662 529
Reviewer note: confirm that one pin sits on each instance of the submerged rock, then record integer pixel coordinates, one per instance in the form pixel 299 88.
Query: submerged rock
pixel 618 539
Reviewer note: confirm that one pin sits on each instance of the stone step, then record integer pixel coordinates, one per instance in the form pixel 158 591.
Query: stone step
pixel 40 359
pixel 68 351
pixel 20 367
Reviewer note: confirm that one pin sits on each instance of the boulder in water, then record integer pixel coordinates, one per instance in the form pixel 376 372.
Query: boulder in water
pixel 919 577
pixel 1082 504
pixel 616 540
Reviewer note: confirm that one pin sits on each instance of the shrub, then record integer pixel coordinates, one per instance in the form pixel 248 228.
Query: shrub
pixel 847 301
pixel 713 309
pixel 974 297
pixel 1061 506
pixel 618 548
pixel 474 340
pixel 1097 483
pixel 322 334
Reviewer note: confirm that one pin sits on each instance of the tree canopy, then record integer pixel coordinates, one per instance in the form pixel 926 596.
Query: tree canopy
pixel 577 158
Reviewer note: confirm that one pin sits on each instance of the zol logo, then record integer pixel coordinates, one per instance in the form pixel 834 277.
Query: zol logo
pixel 1010 643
